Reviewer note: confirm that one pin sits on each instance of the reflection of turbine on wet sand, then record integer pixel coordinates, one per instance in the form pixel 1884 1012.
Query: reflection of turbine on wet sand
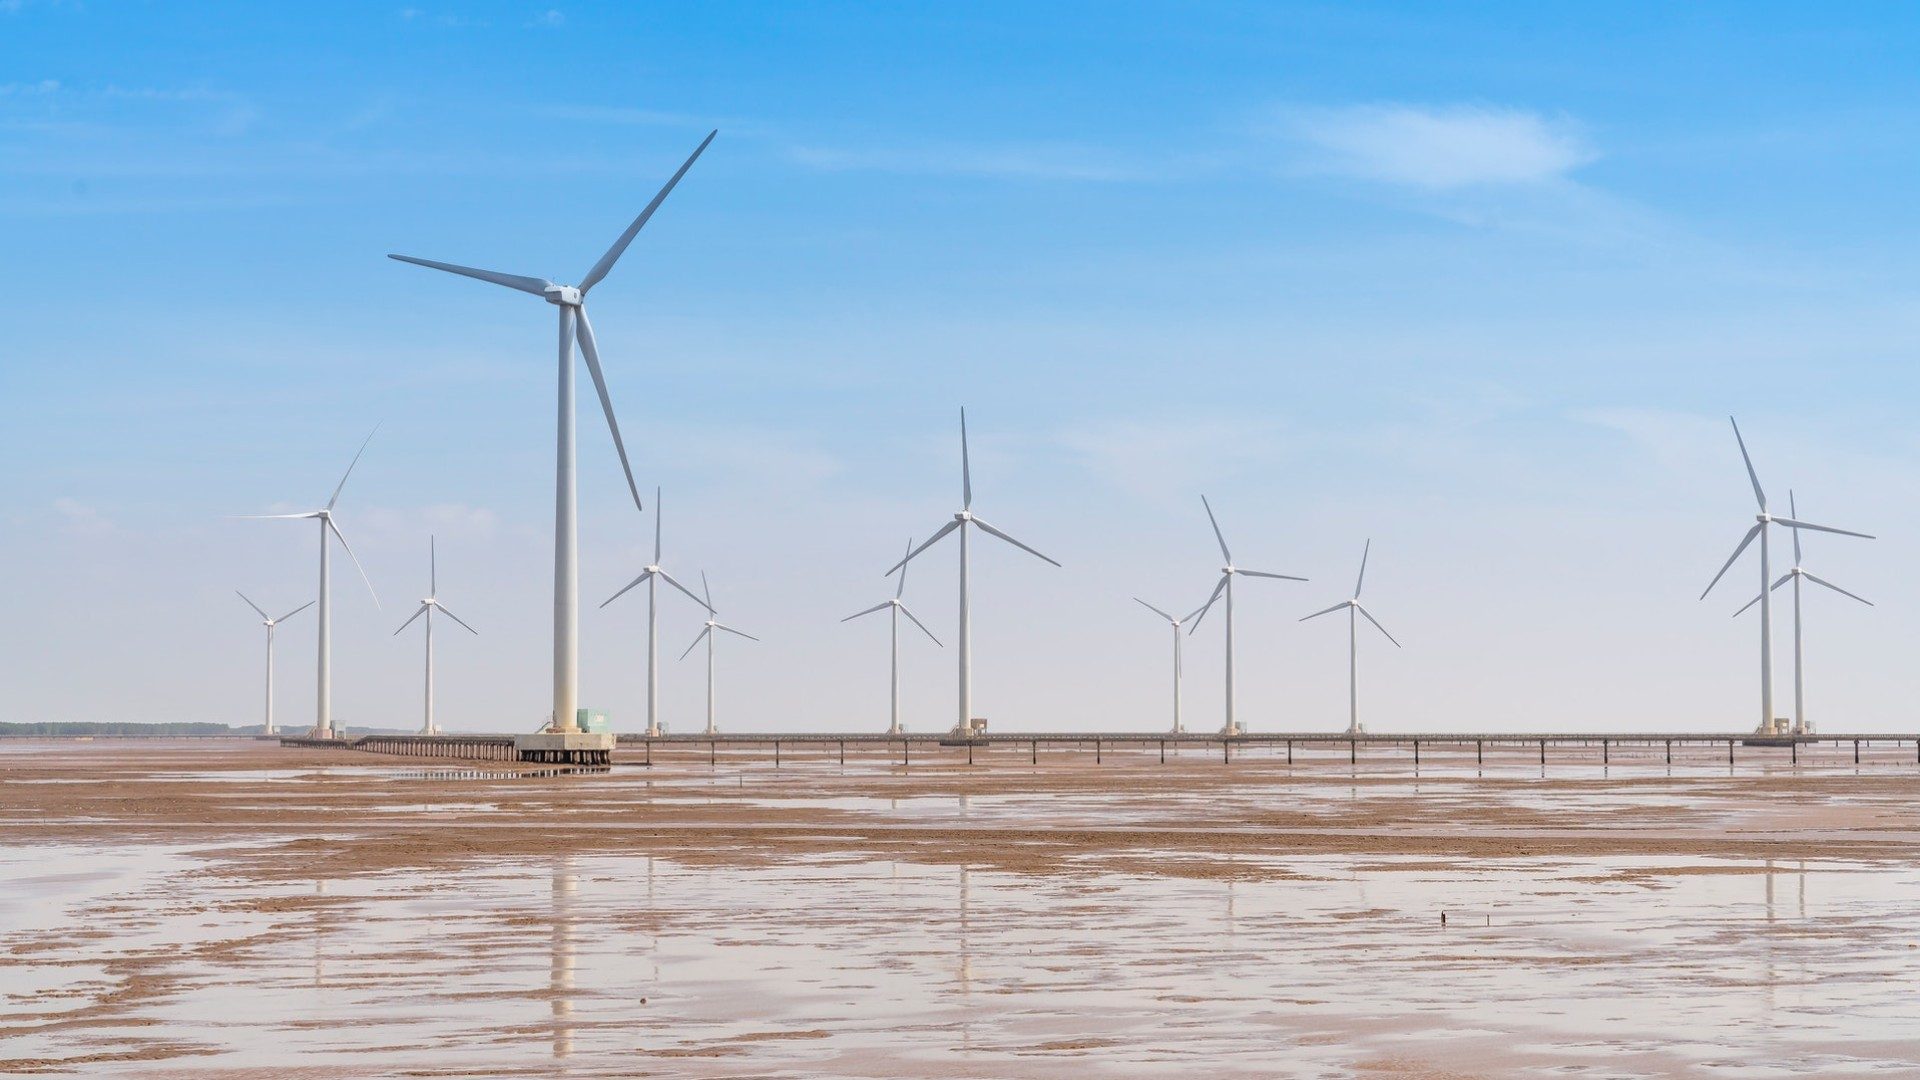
pixel 966 965
pixel 560 983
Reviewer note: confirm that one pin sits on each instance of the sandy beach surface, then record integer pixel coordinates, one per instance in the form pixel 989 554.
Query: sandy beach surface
pixel 229 908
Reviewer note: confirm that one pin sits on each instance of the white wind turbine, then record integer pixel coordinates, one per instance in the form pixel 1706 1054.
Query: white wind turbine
pixel 1760 529
pixel 896 607
pixel 271 623
pixel 707 633
pixel 1799 686
pixel 961 521
pixel 1353 640
pixel 1177 623
pixel 652 575
pixel 428 605
pixel 1227 573
pixel 571 301
pixel 323 712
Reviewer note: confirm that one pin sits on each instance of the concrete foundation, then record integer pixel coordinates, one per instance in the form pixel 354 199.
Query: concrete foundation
pixel 565 747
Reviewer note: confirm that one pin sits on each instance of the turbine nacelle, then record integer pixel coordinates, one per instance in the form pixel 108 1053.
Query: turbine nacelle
pixel 563 295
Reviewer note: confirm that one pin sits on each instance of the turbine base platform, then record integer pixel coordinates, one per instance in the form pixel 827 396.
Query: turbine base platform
pixel 565 747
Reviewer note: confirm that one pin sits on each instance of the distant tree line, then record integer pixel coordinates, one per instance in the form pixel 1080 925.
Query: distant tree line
pixel 93 727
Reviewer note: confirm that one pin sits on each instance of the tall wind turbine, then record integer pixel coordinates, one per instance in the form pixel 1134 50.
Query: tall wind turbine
pixel 1353 640
pixel 430 604
pixel 1176 623
pixel 652 575
pixel 1799 686
pixel 1227 573
pixel 270 623
pixel 1760 530
pixel 961 521
pixel 896 607
pixel 323 705
pixel 571 301
pixel 707 633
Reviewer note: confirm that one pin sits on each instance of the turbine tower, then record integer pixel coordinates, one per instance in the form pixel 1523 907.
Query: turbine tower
pixel 1760 529
pixel 323 694
pixel 1800 725
pixel 427 607
pixel 571 302
pixel 1177 623
pixel 1353 640
pixel 1227 573
pixel 961 521
pixel 896 607
pixel 707 632
pixel 652 575
pixel 270 623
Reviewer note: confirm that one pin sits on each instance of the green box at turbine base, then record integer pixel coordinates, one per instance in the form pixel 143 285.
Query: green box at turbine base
pixel 592 720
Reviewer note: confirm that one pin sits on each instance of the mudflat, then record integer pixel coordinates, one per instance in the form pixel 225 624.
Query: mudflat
pixel 232 908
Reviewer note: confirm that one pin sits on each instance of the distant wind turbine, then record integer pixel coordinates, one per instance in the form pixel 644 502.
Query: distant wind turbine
pixel 323 711
pixel 430 604
pixel 1799 686
pixel 571 301
pixel 1353 640
pixel 1760 529
pixel 271 623
pixel 961 521
pixel 896 608
pixel 707 634
pixel 1227 573
pixel 652 575
pixel 1176 623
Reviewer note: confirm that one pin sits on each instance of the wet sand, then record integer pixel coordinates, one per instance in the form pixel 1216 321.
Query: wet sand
pixel 229 908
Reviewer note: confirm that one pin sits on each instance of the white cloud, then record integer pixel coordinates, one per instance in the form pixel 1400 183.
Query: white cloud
pixel 1438 146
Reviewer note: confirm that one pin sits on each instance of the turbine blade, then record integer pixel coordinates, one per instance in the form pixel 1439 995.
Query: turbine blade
pixel 1196 611
pixel 1744 541
pixel 901 589
pixel 252 605
pixel 1838 589
pixel 1793 511
pixel 276 517
pixel 966 465
pixel 456 618
pixel 433 568
pixel 1326 611
pixel 931 540
pixel 591 351
pixel 984 527
pixel 868 611
pixel 1745 606
pixel 1224 553
pixel 1208 606
pixel 1376 624
pixel 921 625
pixel 1793 524
pixel 1784 578
pixel 417 612
pixel 536 286
pixel 1265 574
pixel 698 638
pixel 656 525
pixel 731 630
pixel 1362 579
pixel 620 246
pixel 644 575
pixel 668 578
pixel 1758 495
pixel 705 589
pixel 350 465
pixel 356 559
pixel 1153 609
pixel 294 612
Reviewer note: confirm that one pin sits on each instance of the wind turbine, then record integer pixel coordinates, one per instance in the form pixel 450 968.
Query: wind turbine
pixel 571 301
pixel 961 521
pixel 897 608
pixel 1799 687
pixel 427 607
pixel 270 623
pixel 323 712
pixel 1760 530
pixel 1177 624
pixel 707 632
pixel 651 575
pixel 1353 640
pixel 1227 573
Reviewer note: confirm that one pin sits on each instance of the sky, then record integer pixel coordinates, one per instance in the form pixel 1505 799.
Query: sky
pixel 1478 283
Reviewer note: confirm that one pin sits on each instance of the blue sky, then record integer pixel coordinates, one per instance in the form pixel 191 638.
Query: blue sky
pixel 1480 283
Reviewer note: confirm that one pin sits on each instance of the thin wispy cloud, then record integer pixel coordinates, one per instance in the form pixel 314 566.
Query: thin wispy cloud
pixel 1437 147
pixel 1021 161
